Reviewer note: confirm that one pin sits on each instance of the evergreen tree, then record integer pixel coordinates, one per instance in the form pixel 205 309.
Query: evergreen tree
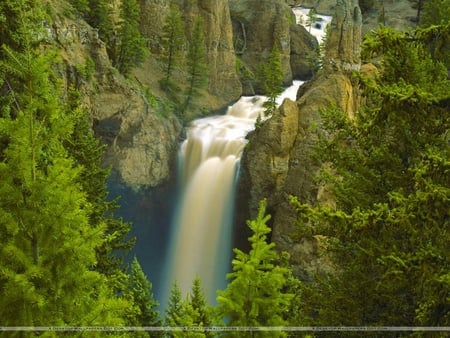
pixel 418 5
pixel 199 304
pixel 174 307
pixel 202 312
pixel 387 174
pixel 100 16
pixel 192 312
pixel 272 80
pixel 87 151
pixel 255 295
pixel 82 6
pixel 131 45
pixel 173 40
pixel 48 244
pixel 435 13
pixel 312 18
pixel 140 291
pixel 196 63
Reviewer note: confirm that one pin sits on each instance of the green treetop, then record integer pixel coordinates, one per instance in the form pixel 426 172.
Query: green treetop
pixel 48 253
pixel 131 45
pixel 255 295
pixel 196 63
pixel 386 170
pixel 272 80
pixel 140 291
pixel 173 41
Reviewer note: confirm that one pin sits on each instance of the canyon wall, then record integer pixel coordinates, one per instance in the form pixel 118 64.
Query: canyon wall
pixel 278 161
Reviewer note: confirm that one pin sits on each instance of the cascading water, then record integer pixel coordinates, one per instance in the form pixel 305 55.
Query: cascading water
pixel 209 159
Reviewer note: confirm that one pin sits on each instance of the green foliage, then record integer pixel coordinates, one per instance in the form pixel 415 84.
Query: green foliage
pixel 202 313
pixel 196 64
pixel 140 291
pixel 435 23
pixel 88 153
pixel 312 18
pixel 192 312
pixel 131 45
pixel 388 171
pixel 100 16
pixel 48 247
pixel 89 68
pixel 174 307
pixel 17 20
pixel 245 74
pixel 255 295
pixel 52 205
pixel 435 12
pixel 82 6
pixel 173 41
pixel 272 80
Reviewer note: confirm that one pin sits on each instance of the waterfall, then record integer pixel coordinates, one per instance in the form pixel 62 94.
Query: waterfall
pixel 208 164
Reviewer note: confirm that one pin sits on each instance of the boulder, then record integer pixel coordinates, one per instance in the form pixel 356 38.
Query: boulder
pixel 304 50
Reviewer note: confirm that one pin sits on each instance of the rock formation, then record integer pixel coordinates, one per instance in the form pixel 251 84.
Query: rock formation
pixel 141 145
pixel 153 16
pixel 304 48
pixel 278 160
pixel 223 79
pixel 258 25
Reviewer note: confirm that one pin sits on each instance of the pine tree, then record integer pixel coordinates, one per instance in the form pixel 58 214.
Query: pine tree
pixel 202 312
pixel 272 80
pixel 87 151
pixel 140 291
pixel 199 304
pixel 312 18
pixel 196 63
pixel 82 6
pixel 48 243
pixel 434 13
pixel 131 45
pixel 255 294
pixel 100 16
pixel 192 312
pixel 174 307
pixel 391 219
pixel 173 40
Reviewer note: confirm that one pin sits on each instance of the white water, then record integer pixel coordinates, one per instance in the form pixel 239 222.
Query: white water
pixel 209 159
pixel 318 28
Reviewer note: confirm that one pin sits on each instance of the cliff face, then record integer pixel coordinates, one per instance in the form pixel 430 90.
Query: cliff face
pixel 223 79
pixel 258 25
pixel 278 161
pixel 133 116
pixel 141 145
pixel 398 14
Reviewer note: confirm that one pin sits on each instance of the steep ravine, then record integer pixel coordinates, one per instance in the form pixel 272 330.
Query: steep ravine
pixel 278 162
pixel 132 117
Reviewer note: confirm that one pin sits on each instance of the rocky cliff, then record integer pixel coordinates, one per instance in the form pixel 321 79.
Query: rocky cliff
pixel 141 145
pixel 224 83
pixel 398 14
pixel 258 25
pixel 278 160
pixel 133 116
